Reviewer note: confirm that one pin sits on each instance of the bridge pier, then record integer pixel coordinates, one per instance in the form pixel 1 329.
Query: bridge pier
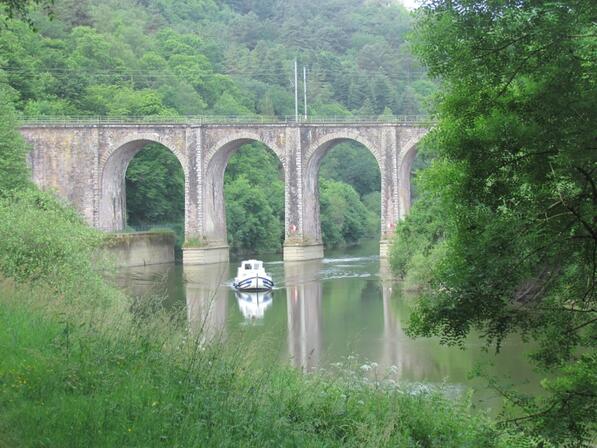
pixel 384 248
pixel 205 255
pixel 303 252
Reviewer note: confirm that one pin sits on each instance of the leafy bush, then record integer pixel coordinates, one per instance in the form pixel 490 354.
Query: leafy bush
pixel 43 241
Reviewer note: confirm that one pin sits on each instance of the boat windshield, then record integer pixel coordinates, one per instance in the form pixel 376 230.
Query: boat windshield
pixel 248 266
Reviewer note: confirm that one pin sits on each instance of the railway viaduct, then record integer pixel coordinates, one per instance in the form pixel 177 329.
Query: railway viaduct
pixel 85 162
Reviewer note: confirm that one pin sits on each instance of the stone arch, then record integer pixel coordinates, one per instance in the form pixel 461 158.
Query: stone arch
pixel 315 153
pixel 216 161
pixel 321 146
pixel 230 143
pixel 112 171
pixel 147 137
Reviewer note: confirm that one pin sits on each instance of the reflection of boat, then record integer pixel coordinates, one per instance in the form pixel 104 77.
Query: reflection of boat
pixel 253 304
pixel 252 277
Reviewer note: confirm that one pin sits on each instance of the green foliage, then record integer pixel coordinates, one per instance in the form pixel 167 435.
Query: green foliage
pixel 254 195
pixel 424 227
pixel 98 378
pixel 353 164
pixel 154 187
pixel 252 222
pixel 45 242
pixel 21 8
pixel 344 218
pixel 515 251
pixel 190 56
pixel 14 174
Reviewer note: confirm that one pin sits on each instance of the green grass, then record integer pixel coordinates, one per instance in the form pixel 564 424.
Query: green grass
pixel 99 378
pixel 79 369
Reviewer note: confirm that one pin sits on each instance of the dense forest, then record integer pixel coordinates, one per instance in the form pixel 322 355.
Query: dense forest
pixel 201 57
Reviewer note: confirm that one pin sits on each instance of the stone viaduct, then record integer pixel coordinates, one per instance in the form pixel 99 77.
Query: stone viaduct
pixel 86 162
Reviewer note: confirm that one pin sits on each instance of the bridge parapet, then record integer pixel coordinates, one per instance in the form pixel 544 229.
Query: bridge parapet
pixel 200 120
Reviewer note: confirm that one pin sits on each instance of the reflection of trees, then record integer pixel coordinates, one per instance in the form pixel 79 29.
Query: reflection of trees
pixel 303 295
pixel 421 359
pixel 416 359
pixel 207 299
pixel 153 280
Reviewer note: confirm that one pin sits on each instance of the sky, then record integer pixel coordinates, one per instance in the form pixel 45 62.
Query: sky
pixel 410 4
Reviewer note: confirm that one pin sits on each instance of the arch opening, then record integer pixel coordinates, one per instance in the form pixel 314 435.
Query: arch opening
pixel 343 194
pixel 245 193
pixel 143 188
pixel 412 161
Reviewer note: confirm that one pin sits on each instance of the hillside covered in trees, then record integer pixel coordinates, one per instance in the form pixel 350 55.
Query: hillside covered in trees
pixel 201 57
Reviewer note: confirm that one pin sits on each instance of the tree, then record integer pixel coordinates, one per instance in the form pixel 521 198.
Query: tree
pixel 344 218
pixel 252 224
pixel 516 141
pixel 254 196
pixel 14 173
pixel 21 8
pixel 154 187
pixel 354 165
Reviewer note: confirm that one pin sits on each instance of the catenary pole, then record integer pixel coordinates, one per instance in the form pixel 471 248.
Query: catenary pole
pixel 295 91
pixel 305 88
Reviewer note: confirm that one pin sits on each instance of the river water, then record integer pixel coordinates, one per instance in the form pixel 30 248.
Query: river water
pixel 342 309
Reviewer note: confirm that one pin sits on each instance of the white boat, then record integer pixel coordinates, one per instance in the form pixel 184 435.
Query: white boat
pixel 253 304
pixel 252 277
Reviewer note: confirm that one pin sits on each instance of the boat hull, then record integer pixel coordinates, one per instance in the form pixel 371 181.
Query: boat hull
pixel 254 283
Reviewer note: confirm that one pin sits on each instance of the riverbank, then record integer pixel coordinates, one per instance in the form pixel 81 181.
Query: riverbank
pixel 97 377
pixel 78 367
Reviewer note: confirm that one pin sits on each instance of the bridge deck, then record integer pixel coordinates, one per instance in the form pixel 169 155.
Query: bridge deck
pixel 403 120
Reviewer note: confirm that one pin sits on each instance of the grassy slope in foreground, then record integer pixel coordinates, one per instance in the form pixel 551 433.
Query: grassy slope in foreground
pixel 103 380
pixel 77 368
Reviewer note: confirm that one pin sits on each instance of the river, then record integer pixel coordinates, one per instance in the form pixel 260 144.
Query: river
pixel 342 309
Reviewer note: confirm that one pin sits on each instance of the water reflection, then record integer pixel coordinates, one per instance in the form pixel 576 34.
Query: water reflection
pixel 252 305
pixel 303 304
pixel 322 312
pixel 207 299
pixel 159 280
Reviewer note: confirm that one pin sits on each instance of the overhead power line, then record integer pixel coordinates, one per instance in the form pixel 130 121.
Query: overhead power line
pixel 141 73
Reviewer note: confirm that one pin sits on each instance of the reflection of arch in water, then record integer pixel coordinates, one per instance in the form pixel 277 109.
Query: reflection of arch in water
pixel 207 299
pixel 303 297
pixel 253 305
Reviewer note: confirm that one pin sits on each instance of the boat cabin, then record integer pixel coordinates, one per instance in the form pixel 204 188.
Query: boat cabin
pixel 251 265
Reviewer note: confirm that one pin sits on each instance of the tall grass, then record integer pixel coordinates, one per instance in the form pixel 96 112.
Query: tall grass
pixel 77 369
